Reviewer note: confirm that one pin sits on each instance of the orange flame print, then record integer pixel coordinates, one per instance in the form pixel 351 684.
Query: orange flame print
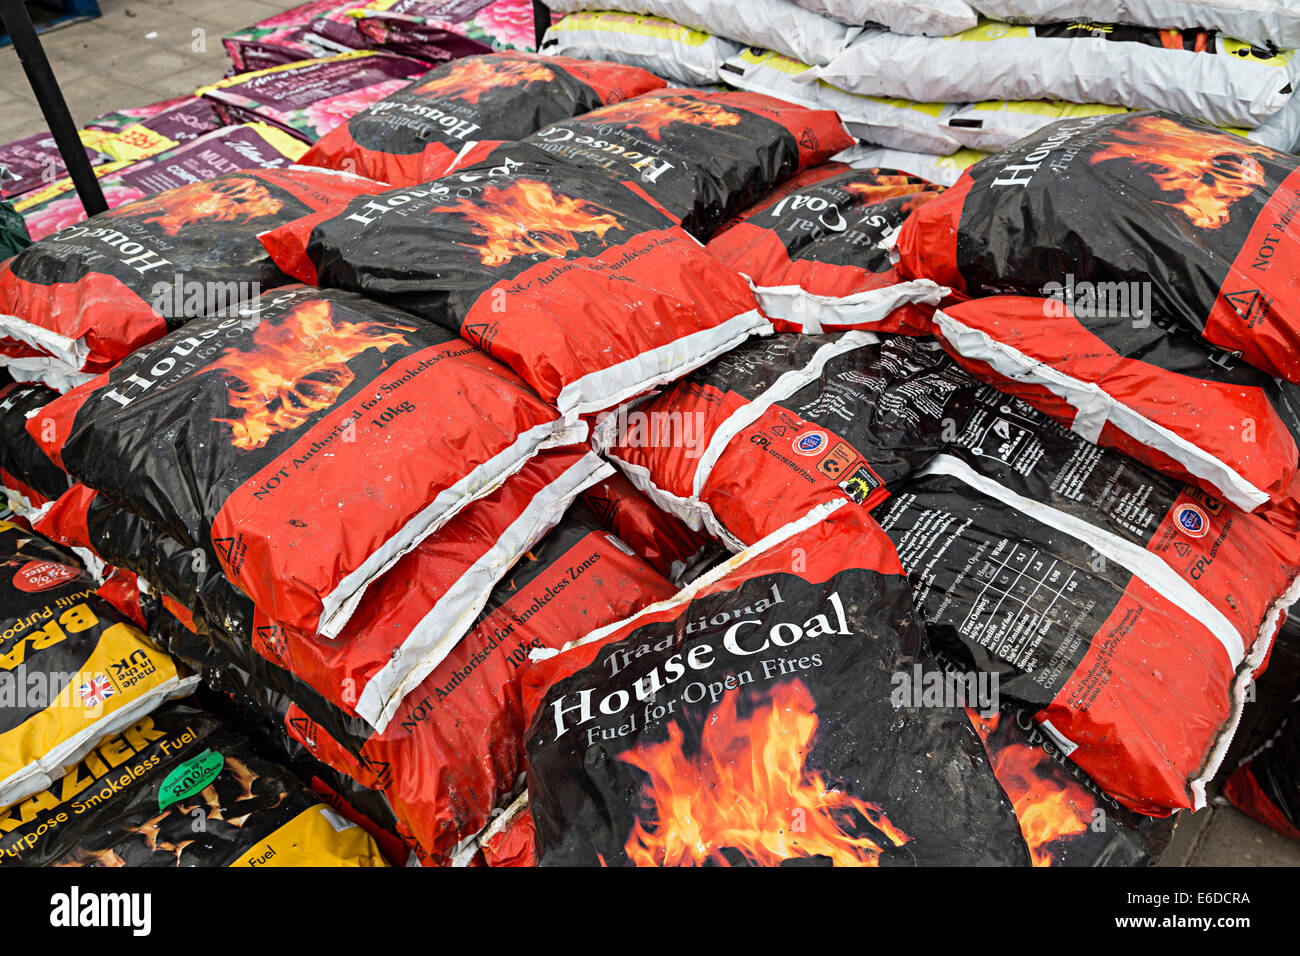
pixel 469 79
pixel 887 186
pixel 748 789
pixel 1048 808
pixel 525 218
pixel 653 114
pixel 1208 171
pixel 298 367
pixel 229 200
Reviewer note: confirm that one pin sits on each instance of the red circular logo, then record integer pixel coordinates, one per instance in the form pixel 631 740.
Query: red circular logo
pixel 43 575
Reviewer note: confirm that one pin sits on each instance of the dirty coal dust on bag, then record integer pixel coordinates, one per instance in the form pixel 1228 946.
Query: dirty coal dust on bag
pixel 261 425
pixel 745 721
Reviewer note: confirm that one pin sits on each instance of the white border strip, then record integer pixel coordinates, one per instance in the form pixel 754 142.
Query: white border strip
pixel 338 606
pixel 1095 407
pixel 454 613
pixel 823 313
pixel 607 387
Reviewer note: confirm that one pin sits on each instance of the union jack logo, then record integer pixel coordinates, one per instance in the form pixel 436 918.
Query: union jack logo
pixel 95 691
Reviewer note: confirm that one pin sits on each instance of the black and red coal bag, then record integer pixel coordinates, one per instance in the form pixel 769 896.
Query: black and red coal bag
pixel 1266 786
pixel 577 282
pixel 657 537
pixel 749 721
pixel 1202 219
pixel 703 156
pixel 779 425
pixel 453 750
pixel 1162 397
pixel 87 296
pixel 305 444
pixel 25 469
pixel 414 616
pixel 817 252
pixel 415 134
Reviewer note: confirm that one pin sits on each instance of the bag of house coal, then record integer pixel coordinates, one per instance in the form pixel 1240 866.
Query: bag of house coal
pixel 415 133
pixel 1266 786
pixel 658 538
pixel 396 631
pixel 409 621
pixel 818 257
pixel 667 49
pixel 752 720
pixel 1262 22
pixel 231 148
pixel 316 29
pixel 413 617
pixel 1212 213
pixel 72 669
pixel 893 123
pixel 1196 73
pixel 253 437
pixel 103 534
pixel 702 156
pixel 309 98
pixel 780 425
pixel 928 17
pixel 767 24
pixel 1100 367
pixel 583 287
pixel 86 297
pixel 1238 563
pixel 1065 818
pixel 454 750
pixel 1135 674
pixel 26 472
pixel 180 788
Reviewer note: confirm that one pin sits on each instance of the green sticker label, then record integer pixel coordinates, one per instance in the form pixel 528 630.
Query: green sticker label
pixel 189 778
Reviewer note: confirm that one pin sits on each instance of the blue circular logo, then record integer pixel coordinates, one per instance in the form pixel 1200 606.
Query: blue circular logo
pixel 810 443
pixel 1192 521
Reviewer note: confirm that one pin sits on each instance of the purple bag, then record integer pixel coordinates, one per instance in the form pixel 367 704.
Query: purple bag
pixel 309 98
pixel 33 162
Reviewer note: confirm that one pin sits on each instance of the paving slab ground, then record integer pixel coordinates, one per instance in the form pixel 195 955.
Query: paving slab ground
pixel 138 52
pixel 142 51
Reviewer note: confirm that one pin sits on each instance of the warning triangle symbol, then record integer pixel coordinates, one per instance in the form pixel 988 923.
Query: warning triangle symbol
pixel 1246 303
pixel 300 724
pixel 604 507
pixel 225 547
pixel 270 635
pixel 478 333
pixel 1183 548
pixel 808 140
pixel 778 431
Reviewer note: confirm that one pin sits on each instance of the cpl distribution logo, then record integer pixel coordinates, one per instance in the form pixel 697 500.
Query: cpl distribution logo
pixel 1192 521
pixel 810 443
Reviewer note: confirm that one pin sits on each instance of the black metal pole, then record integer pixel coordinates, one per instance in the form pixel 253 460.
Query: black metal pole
pixel 541 21
pixel 18 24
